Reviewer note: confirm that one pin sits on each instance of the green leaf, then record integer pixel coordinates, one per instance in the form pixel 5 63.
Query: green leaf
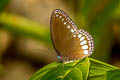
pixel 3 4
pixel 98 70
pixel 113 75
pixel 44 70
pixel 77 70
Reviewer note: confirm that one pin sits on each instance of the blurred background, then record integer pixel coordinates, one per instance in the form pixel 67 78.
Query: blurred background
pixel 25 44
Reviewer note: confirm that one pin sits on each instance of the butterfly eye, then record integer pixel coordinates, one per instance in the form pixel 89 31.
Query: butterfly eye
pixel 68 41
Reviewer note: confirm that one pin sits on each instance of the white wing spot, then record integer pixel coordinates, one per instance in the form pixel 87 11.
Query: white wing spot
pixel 62 19
pixel 68 26
pixel 88 38
pixel 79 35
pixel 64 23
pixel 56 15
pixel 60 16
pixel 74 35
pixel 89 44
pixel 89 41
pixel 85 51
pixel 82 38
pixel 83 42
pixel 85 47
pixel 72 30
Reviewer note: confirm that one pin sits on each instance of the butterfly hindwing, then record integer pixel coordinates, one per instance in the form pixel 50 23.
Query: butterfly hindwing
pixel 68 41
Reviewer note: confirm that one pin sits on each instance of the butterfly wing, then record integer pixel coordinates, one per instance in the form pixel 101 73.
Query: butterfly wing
pixel 68 41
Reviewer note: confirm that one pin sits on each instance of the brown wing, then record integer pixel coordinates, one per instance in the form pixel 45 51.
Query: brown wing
pixel 68 41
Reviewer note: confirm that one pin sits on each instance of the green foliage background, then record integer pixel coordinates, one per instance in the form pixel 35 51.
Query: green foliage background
pixel 96 24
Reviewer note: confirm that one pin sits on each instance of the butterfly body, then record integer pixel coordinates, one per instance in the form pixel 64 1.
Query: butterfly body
pixel 69 42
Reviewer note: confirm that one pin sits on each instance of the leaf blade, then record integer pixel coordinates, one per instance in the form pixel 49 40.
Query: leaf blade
pixel 113 75
pixel 70 71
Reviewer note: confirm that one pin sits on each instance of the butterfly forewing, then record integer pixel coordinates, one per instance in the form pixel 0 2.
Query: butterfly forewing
pixel 68 41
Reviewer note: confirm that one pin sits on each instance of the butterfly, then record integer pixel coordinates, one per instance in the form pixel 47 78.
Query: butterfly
pixel 69 42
